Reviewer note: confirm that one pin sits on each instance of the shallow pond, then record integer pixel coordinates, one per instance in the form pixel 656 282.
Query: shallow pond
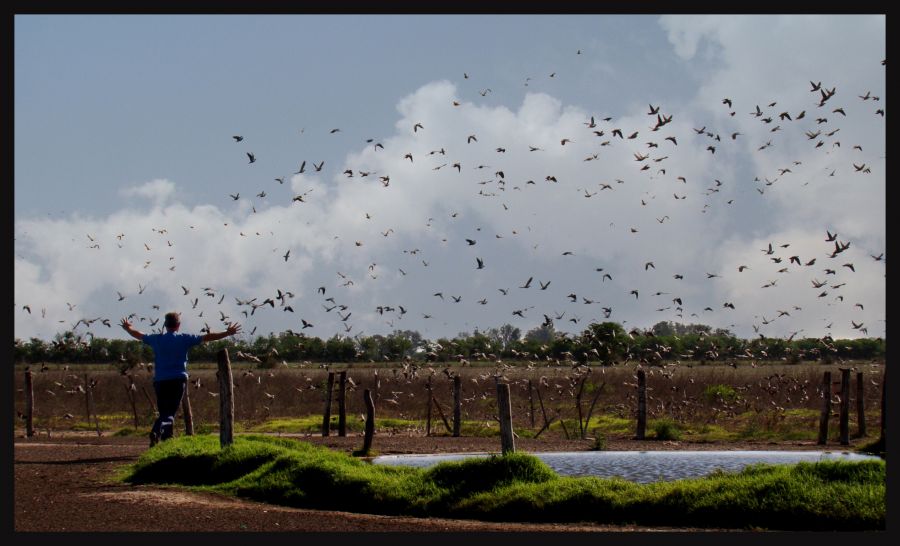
pixel 643 466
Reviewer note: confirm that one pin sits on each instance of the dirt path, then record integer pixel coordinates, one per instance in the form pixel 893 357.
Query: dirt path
pixel 65 484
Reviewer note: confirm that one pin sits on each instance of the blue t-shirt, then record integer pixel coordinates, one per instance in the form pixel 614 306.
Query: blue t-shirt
pixel 170 352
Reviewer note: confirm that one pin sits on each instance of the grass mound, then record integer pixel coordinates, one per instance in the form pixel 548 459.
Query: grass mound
pixel 829 495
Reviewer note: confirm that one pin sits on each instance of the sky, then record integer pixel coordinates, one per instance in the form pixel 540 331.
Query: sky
pixel 392 152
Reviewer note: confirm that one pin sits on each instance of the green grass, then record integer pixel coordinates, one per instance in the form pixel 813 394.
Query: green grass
pixel 715 393
pixel 665 429
pixel 611 425
pixel 829 495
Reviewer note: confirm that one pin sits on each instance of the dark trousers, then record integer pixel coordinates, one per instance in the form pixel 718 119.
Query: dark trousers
pixel 169 393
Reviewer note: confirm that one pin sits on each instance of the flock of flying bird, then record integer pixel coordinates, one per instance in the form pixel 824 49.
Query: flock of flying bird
pixel 607 134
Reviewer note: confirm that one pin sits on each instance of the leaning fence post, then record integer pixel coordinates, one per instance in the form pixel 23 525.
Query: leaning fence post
pixel 428 413
pixel 326 418
pixel 860 406
pixel 370 421
pixel 826 409
pixel 507 441
pixel 130 390
pixel 845 406
pixel 226 399
pixel 342 407
pixel 29 405
pixel 457 405
pixel 89 394
pixel 87 399
pixel 883 391
pixel 188 416
pixel 642 405
pixel 531 402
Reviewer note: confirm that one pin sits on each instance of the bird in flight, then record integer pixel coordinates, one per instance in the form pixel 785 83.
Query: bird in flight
pixel 252 157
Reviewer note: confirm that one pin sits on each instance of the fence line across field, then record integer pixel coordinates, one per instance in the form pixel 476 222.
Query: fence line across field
pixel 226 393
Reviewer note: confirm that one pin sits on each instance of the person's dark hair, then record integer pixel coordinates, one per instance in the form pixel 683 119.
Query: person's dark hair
pixel 173 320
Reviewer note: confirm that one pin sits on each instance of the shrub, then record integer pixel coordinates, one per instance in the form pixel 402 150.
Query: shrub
pixel 725 393
pixel 666 429
pixel 599 441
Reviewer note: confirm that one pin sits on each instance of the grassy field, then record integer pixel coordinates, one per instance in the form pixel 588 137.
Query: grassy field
pixel 708 403
pixel 824 496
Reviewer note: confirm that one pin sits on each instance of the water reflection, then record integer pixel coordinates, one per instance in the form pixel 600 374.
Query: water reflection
pixel 644 466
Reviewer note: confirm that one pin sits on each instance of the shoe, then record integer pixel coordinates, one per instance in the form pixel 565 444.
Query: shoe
pixel 154 439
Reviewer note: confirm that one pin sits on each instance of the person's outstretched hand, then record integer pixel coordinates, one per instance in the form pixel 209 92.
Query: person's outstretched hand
pixel 233 328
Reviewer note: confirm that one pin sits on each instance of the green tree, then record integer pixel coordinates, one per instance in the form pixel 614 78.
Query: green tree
pixel 608 339
pixel 545 333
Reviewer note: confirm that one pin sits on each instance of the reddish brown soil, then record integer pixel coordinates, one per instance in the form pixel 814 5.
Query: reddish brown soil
pixel 66 483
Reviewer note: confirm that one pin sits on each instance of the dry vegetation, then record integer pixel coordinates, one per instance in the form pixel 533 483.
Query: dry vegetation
pixel 709 402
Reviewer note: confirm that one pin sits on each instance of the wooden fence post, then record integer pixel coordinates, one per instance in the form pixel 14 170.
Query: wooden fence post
pixel 370 421
pixel 377 395
pixel 226 399
pixel 428 413
pixel 29 405
pixel 826 409
pixel 186 409
pixel 130 390
pixel 326 418
pixel 507 441
pixel 883 391
pixel 342 406
pixel 562 423
pixel 642 405
pixel 89 395
pixel 543 412
pixel 581 423
pixel 87 399
pixel 457 405
pixel 587 419
pixel 531 402
pixel 153 410
pixel 845 406
pixel 860 406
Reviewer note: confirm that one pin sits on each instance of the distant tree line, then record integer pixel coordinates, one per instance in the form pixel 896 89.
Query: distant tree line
pixel 605 343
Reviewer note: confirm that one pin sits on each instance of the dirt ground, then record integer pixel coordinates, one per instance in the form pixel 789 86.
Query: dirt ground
pixel 65 483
